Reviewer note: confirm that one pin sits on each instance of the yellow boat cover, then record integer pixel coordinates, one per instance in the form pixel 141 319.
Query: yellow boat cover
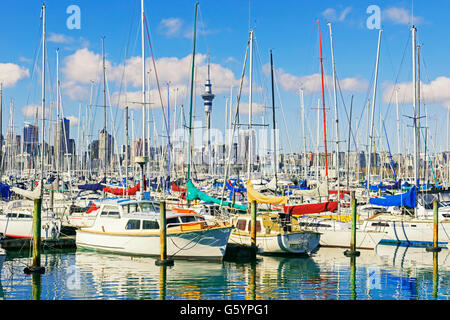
pixel 252 195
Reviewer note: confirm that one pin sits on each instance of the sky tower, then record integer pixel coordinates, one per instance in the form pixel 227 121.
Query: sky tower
pixel 208 98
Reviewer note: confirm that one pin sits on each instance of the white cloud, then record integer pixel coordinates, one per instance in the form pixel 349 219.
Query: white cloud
pixel 34 110
pixel 83 66
pixel 313 83
pixel 59 38
pixel 74 121
pixel 333 16
pixel 435 92
pixel 257 108
pixel 400 16
pixel 11 73
pixel 171 27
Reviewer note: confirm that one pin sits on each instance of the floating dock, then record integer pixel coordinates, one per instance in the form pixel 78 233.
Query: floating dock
pixel 22 243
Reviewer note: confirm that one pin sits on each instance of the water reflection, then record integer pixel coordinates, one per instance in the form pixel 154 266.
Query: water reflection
pixel 385 273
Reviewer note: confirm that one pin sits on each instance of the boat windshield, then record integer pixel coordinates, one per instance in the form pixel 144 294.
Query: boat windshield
pixel 148 207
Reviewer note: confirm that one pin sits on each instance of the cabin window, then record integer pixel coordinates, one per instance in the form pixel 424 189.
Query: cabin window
pixel 380 224
pixel 133 225
pixel 148 206
pixel 110 214
pixel 258 226
pixel 130 208
pixel 172 221
pixel 187 219
pixel 241 224
pixel 150 225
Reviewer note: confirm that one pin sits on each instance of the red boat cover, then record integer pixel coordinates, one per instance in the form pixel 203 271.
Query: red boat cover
pixel 177 188
pixel 122 191
pixel 311 208
pixel 93 207
pixel 342 192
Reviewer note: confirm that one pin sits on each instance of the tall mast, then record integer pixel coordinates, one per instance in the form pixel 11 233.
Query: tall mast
pixel 323 104
pixel 337 122
pixel 274 122
pixel 250 108
pixel 43 102
pixel 302 105
pixel 373 113
pixel 192 96
pixel 143 99
pixel 416 138
pixel 348 144
pixel 417 127
pixel 104 109
pixel 1 131
pixel 398 132
pixel 318 141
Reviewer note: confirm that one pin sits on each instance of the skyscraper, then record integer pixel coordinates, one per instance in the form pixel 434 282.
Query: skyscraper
pixel 62 137
pixel 30 139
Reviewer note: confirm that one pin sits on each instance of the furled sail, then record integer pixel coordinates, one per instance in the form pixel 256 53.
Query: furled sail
pixel 32 195
pixel 311 208
pixel 122 191
pixel 320 191
pixel 253 195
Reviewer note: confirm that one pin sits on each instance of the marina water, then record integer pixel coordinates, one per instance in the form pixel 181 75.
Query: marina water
pixel 386 273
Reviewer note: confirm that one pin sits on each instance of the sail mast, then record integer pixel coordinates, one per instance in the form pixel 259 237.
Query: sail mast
pixel 323 104
pixel 274 123
pixel 337 123
pixel 192 96
pixel 250 108
pixel 373 113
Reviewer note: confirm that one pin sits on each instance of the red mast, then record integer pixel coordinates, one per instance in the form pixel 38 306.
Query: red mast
pixel 323 103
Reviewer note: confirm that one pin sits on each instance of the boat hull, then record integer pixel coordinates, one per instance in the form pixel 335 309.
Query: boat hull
pixel 288 243
pixel 206 244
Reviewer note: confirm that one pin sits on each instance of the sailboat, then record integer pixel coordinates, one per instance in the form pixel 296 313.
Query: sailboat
pixel 276 233
pixel 18 218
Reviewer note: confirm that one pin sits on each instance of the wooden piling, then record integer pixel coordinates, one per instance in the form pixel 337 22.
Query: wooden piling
pixel 253 224
pixel 163 236
pixel 435 247
pixel 352 252
pixel 36 265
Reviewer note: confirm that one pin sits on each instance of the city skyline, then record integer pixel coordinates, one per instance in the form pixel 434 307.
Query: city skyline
pixel 296 66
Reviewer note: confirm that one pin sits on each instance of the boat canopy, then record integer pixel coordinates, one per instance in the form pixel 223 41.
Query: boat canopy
pixel 194 194
pixel 407 199
pixel 93 186
pixel 311 208
pixel 253 195
pixel 122 191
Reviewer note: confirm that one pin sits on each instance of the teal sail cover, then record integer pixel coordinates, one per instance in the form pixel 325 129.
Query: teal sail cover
pixel 194 194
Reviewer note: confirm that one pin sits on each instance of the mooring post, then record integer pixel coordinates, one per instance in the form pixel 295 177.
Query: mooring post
pixel 36 265
pixel 233 197
pixel 163 236
pixel 435 247
pixel 435 274
pixel 253 224
pixel 352 252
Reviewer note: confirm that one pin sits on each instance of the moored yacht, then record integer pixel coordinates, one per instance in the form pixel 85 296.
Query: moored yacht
pixel 133 227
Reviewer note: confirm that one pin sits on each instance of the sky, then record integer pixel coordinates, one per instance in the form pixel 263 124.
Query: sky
pixel 289 28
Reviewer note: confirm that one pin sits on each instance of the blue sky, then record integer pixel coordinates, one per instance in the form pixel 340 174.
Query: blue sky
pixel 288 27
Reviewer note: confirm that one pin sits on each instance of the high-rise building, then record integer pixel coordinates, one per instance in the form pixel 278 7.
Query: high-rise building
pixel 106 147
pixel 30 139
pixel 62 145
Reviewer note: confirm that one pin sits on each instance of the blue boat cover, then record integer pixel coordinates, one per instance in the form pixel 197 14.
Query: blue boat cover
pixel 407 199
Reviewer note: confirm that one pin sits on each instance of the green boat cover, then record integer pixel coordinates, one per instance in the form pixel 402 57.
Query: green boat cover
pixel 194 194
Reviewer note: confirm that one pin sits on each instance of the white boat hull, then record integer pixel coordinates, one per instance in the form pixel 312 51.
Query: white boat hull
pixel 289 243
pixel 207 244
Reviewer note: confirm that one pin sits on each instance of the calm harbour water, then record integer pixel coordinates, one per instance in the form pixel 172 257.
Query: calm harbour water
pixel 388 273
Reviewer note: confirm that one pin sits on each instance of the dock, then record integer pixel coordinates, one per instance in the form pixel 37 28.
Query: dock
pixel 22 243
